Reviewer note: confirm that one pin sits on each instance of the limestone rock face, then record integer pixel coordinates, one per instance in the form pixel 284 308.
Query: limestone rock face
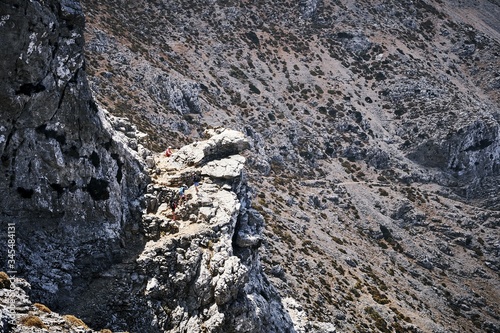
pixel 223 142
pixel 73 180
pixel 204 274
pixel 230 168
pixel 469 159
pixel 68 181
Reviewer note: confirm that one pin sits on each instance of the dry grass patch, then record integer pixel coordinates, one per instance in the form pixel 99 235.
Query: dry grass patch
pixel 31 321
pixel 42 307
pixel 4 281
pixel 74 321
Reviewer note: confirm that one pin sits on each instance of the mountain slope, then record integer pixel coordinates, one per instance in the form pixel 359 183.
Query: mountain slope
pixel 85 233
pixel 375 140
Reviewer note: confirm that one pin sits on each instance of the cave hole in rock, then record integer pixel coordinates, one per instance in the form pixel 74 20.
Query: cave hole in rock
pixel 95 159
pixel 98 189
pixel 58 188
pixel 119 163
pixel 51 134
pixel 29 89
pixel 25 193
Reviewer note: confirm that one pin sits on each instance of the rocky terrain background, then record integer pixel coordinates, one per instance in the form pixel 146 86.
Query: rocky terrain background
pixel 84 205
pixel 68 184
pixel 373 130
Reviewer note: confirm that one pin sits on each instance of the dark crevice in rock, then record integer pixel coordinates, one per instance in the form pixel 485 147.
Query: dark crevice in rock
pixel 29 89
pixel 58 188
pixel 9 137
pixel 119 173
pixel 92 105
pixel 54 50
pixel 61 99
pixel 95 160
pixel 74 79
pixel 12 179
pixel 98 189
pixel 480 145
pixel 5 160
pixel 108 145
pixel 25 193
pixel 51 134
pixel 72 187
pixel 73 152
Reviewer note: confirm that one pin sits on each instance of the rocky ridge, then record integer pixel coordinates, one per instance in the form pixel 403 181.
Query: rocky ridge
pixel 87 202
pixel 374 130
pixel 198 272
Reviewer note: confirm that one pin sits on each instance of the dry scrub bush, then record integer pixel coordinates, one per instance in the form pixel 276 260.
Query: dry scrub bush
pixel 42 307
pixel 74 321
pixel 4 281
pixel 31 321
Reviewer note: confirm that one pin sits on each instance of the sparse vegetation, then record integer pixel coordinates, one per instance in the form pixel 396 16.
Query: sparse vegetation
pixel 74 321
pixel 42 307
pixel 4 281
pixel 31 321
pixel 380 323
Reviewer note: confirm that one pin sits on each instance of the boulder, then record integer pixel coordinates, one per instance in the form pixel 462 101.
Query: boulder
pixel 227 168
pixel 222 143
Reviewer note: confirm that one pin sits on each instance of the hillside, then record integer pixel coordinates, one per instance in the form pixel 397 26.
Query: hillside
pixel 373 161
pixel 375 140
pixel 85 206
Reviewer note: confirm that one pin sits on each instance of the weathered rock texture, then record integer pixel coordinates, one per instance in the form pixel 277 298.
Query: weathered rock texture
pixel 68 183
pixel 209 256
pixel 374 133
pixel 74 183
pixel 19 314
pixel 199 271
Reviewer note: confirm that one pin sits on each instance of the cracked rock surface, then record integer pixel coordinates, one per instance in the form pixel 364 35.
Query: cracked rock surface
pixel 94 236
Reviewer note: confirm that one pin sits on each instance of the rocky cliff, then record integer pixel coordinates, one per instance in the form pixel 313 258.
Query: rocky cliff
pixel 88 205
pixel 374 131
pixel 371 131
pixel 69 184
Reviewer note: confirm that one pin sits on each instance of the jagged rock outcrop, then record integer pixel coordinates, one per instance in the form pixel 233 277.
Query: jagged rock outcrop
pixel 200 270
pixel 68 182
pixel 374 142
pixel 74 183
pixel 469 159
pixel 210 258
pixel 224 142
